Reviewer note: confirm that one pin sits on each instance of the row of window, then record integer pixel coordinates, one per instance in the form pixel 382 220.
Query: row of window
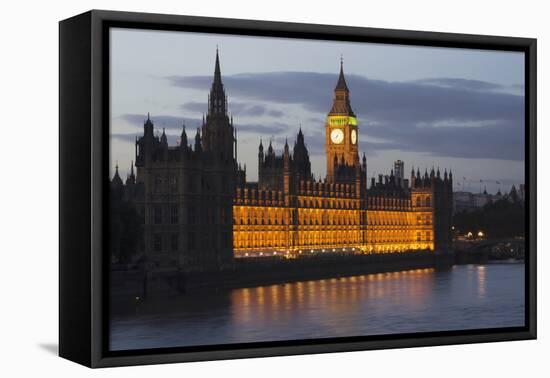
pixel 389 202
pixel 328 203
pixel 171 242
pixel 423 201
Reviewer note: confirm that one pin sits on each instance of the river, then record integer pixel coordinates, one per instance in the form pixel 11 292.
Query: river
pixel 462 297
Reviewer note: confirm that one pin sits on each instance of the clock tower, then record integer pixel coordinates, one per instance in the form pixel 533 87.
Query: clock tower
pixel 341 130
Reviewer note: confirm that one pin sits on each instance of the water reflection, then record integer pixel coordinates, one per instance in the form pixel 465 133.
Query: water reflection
pixel 336 298
pixel 473 296
pixel 481 281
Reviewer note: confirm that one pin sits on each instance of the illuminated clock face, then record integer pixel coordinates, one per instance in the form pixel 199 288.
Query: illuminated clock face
pixel 337 136
pixel 353 136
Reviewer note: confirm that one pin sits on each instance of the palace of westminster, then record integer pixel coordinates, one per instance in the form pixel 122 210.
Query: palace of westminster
pixel 198 212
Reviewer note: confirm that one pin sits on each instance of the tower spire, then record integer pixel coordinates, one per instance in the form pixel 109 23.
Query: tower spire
pixel 341 84
pixel 217 101
pixel 217 71
pixel 341 103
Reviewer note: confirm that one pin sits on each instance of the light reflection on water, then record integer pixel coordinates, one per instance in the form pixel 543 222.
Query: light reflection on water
pixel 464 297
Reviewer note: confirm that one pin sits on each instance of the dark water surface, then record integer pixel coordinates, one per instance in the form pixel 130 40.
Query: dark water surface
pixel 464 297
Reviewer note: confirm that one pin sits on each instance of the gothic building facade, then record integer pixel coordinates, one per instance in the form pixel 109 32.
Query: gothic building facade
pixel 198 211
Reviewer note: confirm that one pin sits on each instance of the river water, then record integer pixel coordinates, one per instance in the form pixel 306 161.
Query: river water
pixel 463 297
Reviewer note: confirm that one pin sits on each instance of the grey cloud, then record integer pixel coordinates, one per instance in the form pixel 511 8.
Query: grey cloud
pixel 475 85
pixel 235 108
pixel 167 121
pixel 276 113
pixel 197 107
pixel 264 129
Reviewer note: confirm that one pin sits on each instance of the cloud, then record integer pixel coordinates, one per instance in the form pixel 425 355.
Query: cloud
pixel 264 129
pixel 162 121
pixel 195 107
pixel 236 109
pixel 124 137
pixel 442 116
pixel 474 85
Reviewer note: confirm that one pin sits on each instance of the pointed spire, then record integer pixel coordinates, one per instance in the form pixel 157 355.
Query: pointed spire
pixel 116 178
pixel 163 139
pixel 261 147
pixel 341 85
pixel 183 139
pixel 198 146
pixel 217 71
pixel 131 177
pixel 341 103
pixel 217 101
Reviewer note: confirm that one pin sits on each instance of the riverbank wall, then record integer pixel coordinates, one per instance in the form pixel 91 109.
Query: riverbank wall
pixel 137 285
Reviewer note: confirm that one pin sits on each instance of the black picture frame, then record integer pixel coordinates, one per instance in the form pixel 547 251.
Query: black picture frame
pixel 83 140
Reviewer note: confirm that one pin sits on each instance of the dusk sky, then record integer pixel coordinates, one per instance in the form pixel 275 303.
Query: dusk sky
pixel 448 108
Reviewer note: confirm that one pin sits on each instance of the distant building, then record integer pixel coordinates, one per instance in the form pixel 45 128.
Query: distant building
pixel 399 172
pixel 467 201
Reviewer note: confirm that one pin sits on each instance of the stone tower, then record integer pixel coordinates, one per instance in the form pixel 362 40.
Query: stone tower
pixel 341 131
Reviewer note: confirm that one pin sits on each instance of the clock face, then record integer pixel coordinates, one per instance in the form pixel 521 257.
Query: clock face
pixel 353 136
pixel 337 136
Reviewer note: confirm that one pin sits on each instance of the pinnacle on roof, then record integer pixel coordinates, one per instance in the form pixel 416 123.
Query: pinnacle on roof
pixel 341 85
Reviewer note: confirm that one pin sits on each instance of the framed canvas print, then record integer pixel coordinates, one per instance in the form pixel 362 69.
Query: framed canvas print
pixel 233 188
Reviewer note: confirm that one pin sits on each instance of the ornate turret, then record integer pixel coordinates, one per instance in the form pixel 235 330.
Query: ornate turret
pixel 261 150
pixel 217 101
pixel 198 145
pixel 218 133
pixel 163 139
pixel 341 104
pixel 116 181
pixel 183 139
pixel 131 179
pixel 148 126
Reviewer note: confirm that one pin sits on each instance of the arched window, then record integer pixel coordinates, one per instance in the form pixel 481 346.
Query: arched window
pixel 428 202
